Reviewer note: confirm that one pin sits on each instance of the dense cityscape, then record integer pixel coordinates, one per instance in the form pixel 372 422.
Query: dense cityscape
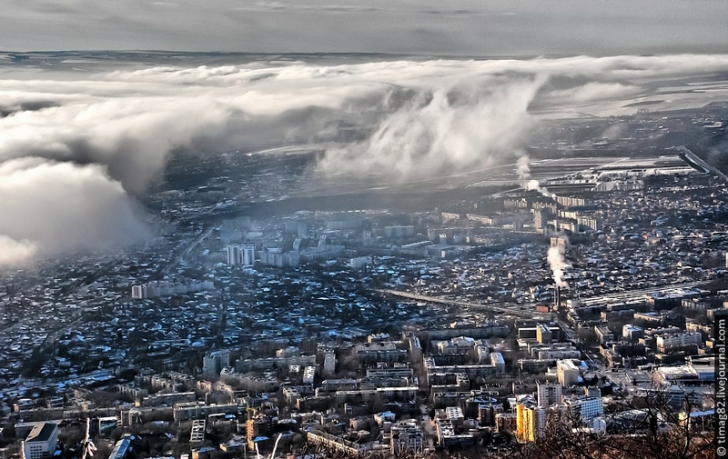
pixel 572 289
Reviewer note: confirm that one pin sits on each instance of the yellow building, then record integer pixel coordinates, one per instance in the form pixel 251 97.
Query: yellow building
pixel 530 422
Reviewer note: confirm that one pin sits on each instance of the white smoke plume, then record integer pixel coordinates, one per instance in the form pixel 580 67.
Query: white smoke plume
pixel 558 264
pixel 220 386
pixel 534 185
pixel 222 393
pixel 523 169
pixel 76 148
pixel 14 252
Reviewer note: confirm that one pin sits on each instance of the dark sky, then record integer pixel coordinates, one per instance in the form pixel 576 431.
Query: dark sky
pixel 442 27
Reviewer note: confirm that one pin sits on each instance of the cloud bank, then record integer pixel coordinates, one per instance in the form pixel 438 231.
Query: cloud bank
pixel 75 149
pixel 60 207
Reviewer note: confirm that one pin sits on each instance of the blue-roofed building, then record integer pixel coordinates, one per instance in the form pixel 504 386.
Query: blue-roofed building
pixel 121 448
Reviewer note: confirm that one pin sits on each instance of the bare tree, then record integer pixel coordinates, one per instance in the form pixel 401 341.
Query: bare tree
pixel 643 427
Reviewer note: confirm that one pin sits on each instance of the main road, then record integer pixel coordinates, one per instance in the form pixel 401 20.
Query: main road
pixel 187 250
pixel 466 304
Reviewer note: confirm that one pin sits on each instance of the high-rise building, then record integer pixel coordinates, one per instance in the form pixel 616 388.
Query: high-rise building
pixel 585 408
pixel 329 363
pixel 41 441
pixel 308 375
pixel 567 373
pixel 257 425
pixel 589 223
pixel 232 255
pixel 360 262
pixel 276 257
pixel 240 255
pixel 214 362
pixel 530 422
pixel 399 231
pixel 406 436
pixel 632 332
pixel 548 394
pixel 543 334
pixel 669 342
pixel 139 292
pixel 157 289
pixel 541 220
pixel 248 255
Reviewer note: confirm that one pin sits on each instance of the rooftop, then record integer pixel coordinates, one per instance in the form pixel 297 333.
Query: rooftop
pixel 42 432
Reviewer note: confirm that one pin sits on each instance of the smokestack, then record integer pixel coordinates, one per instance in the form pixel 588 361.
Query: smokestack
pixel 557 297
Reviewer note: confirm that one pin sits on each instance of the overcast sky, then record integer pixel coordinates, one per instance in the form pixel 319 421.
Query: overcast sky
pixel 442 27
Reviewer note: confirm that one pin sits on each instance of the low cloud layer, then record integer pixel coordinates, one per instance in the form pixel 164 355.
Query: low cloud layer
pixel 58 207
pixel 444 130
pixel 14 252
pixel 75 149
